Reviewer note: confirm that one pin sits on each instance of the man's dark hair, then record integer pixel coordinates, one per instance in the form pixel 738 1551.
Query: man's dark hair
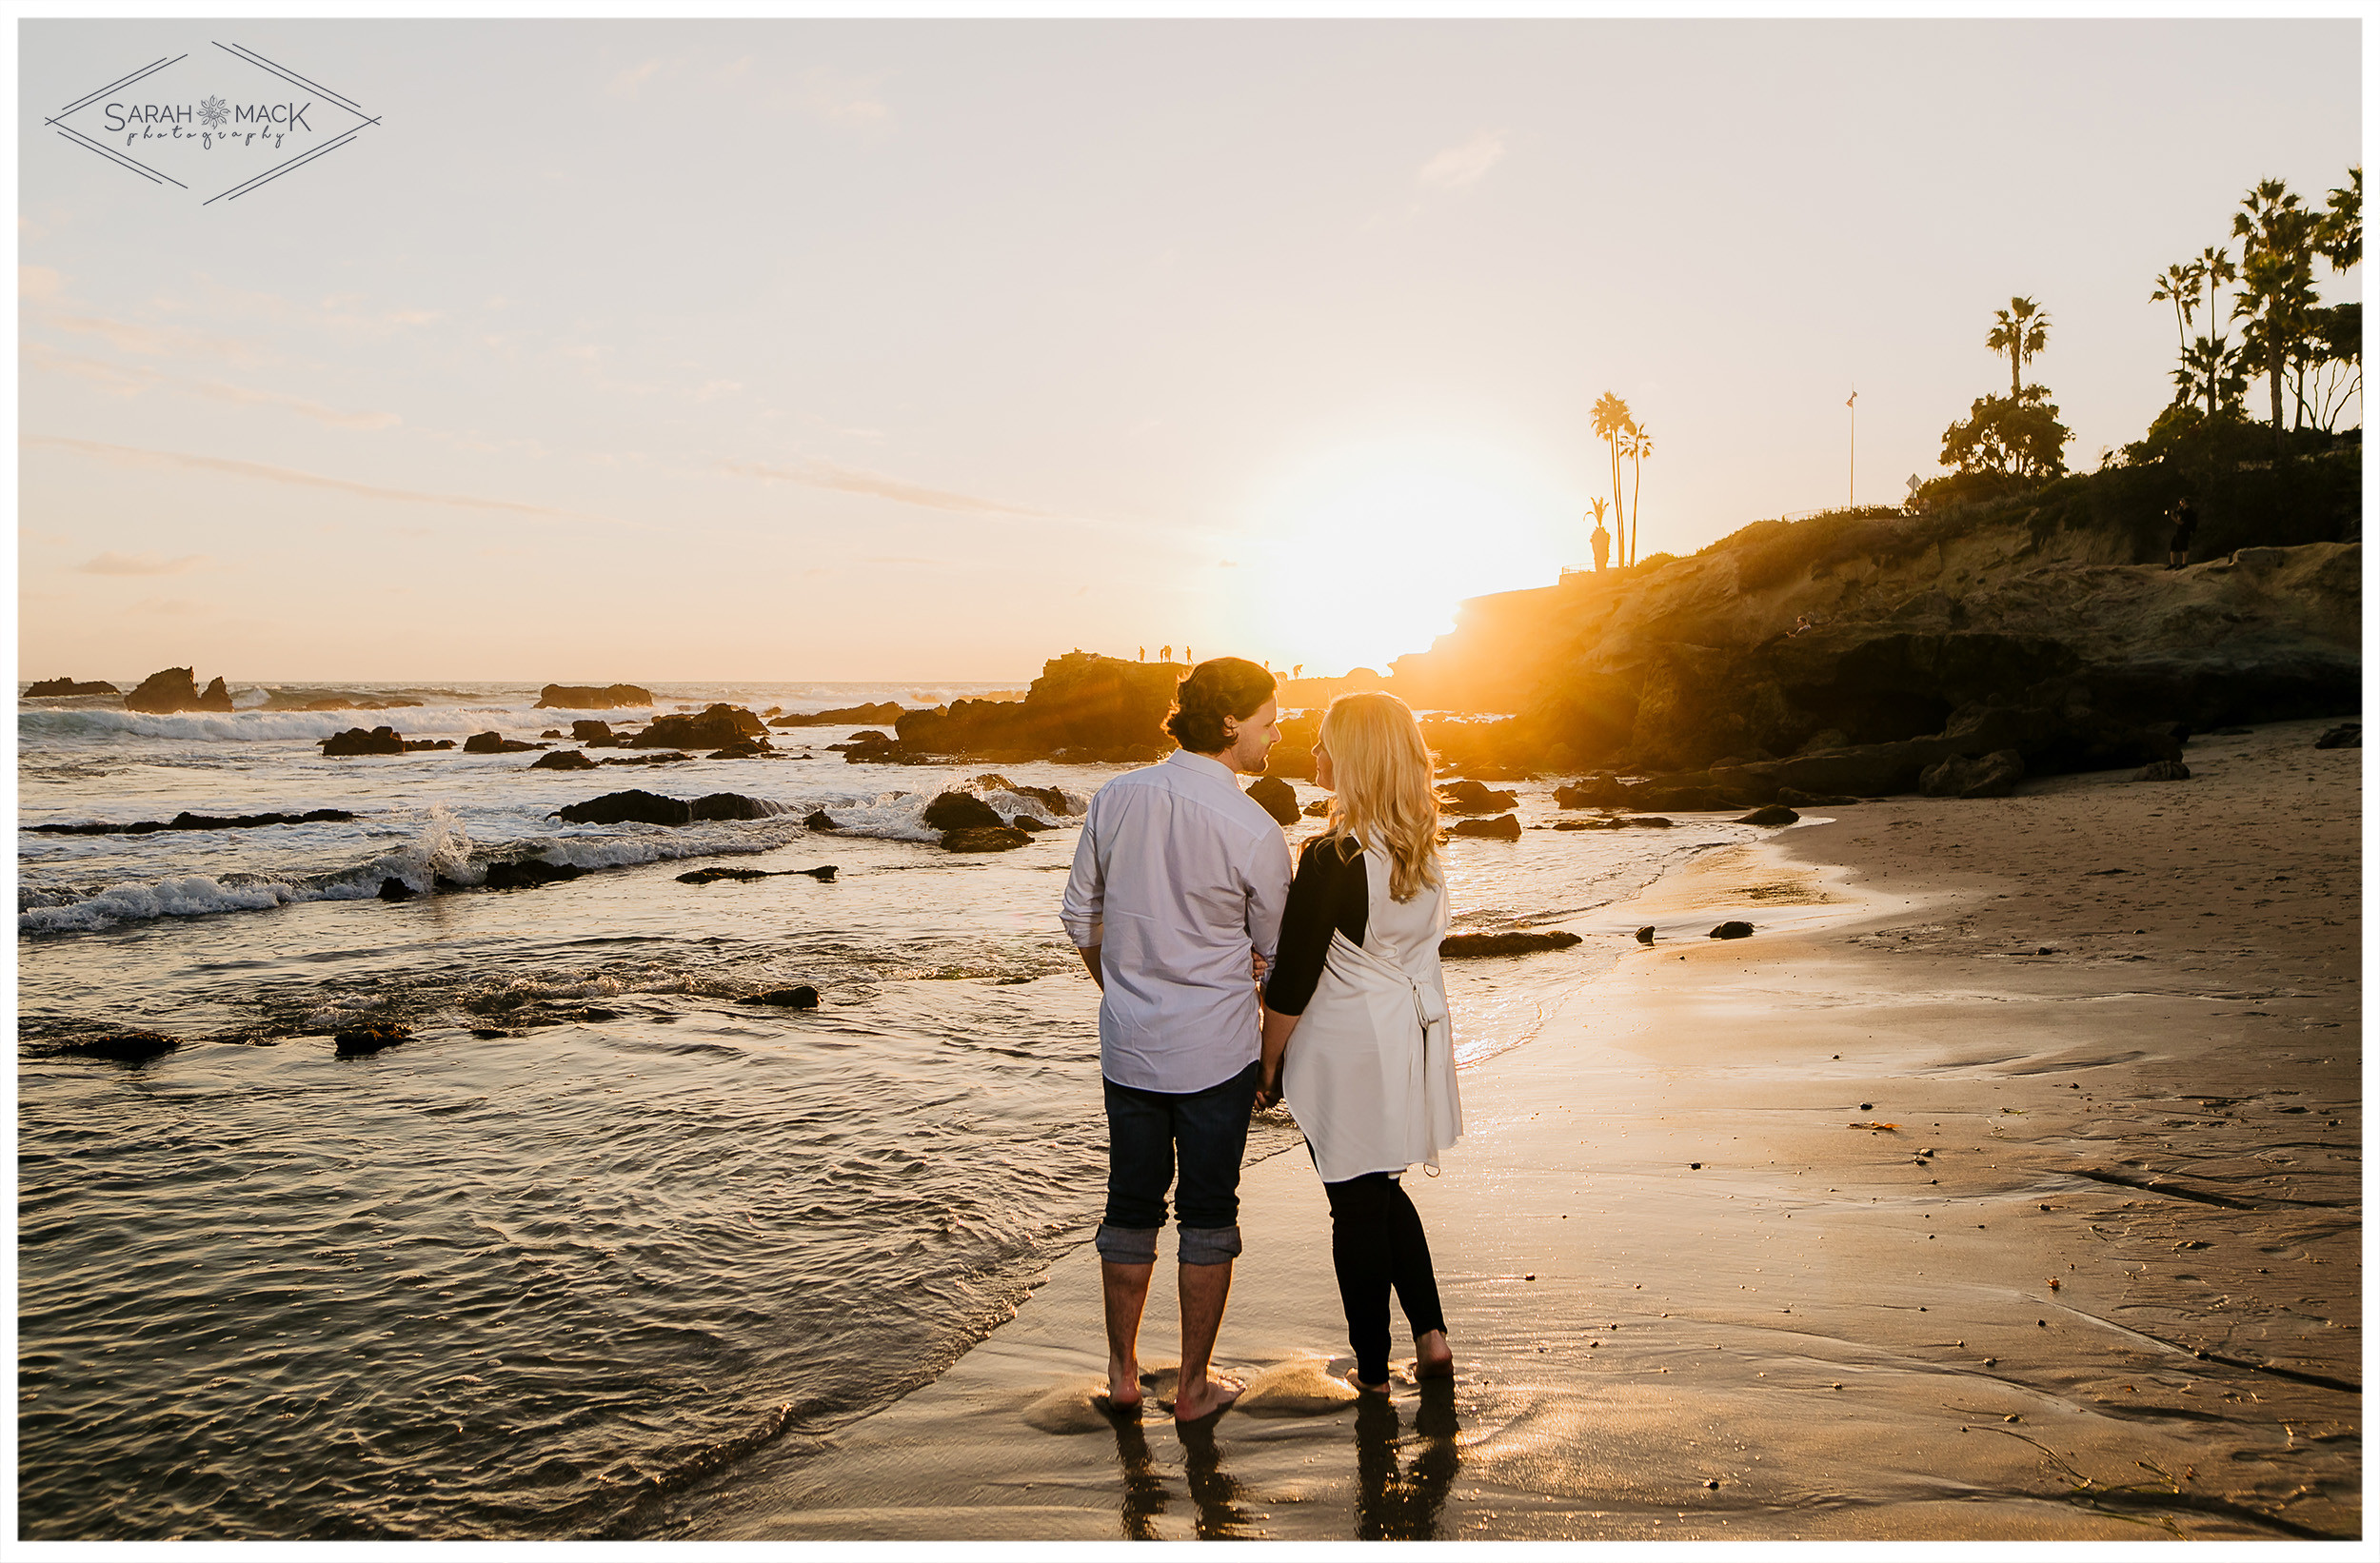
pixel 1218 687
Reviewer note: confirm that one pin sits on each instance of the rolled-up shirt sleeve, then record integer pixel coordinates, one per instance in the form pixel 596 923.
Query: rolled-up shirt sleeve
pixel 1086 887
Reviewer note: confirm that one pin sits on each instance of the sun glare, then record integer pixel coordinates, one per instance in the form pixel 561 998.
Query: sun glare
pixel 1367 551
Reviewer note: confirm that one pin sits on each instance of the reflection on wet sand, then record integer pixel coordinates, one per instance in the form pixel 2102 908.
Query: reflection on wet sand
pixel 1214 1492
pixel 1145 1490
pixel 1401 1505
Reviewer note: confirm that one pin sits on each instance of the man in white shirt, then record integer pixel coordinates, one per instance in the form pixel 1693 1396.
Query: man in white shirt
pixel 1179 880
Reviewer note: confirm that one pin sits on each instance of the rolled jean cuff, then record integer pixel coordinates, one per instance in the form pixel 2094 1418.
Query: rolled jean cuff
pixel 1208 1245
pixel 1129 1245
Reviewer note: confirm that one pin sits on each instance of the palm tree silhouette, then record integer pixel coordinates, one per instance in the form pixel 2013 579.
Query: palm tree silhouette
pixel 1596 508
pixel 2276 274
pixel 1612 420
pixel 1636 444
pixel 2020 330
pixel 2179 284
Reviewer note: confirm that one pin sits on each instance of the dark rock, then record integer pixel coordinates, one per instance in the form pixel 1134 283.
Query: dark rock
pixel 746 749
pixel 734 806
pixel 1276 798
pixel 186 820
pixel 1462 946
pixel 1317 808
pixel 961 811
pixel 52 688
pixel 552 732
pixel 496 744
pixel 2164 770
pixel 123 1046
pixel 1794 798
pixel 396 889
pixel 582 697
pixel 715 726
pixel 1082 707
pixel 803 996
pixel 171 690
pixel 1769 814
pixel 1644 935
pixel 1731 930
pixel 413 743
pixel 356 740
pixel 1052 799
pixel 1504 827
pixel 2234 732
pixel 614 808
pixel 358 1040
pixel 1994 774
pixel 860 740
pixel 819 819
pixel 563 759
pixel 1028 822
pixel 588 729
pixel 667 756
pixel 2348 735
pixel 1601 792
pixel 846 716
pixel 1470 797
pixel 712 876
pixel 985 838
pixel 528 874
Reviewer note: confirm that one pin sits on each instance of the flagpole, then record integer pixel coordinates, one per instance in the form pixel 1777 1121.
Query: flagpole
pixel 1853 503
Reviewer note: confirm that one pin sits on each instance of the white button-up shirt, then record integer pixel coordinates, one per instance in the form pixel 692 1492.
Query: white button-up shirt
pixel 1178 876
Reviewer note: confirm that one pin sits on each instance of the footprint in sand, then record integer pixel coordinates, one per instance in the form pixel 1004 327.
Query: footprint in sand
pixel 1083 1406
pixel 1300 1387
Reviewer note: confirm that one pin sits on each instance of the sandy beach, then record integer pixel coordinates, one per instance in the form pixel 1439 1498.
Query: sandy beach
pixel 2004 1185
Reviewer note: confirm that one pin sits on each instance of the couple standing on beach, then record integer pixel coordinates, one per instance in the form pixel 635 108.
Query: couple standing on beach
pixel 1228 983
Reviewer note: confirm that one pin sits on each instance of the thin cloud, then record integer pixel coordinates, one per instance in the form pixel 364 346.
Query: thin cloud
pixel 1463 164
pixel 38 282
pixel 628 83
pixel 840 100
pixel 129 337
pixel 176 461
pixel 112 562
pixel 851 480
pixel 123 382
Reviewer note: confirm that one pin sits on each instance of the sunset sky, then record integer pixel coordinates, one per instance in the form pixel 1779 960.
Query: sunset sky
pixel 664 351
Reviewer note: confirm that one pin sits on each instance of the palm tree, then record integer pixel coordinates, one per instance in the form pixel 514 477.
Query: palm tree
pixel 2276 274
pixel 2020 330
pixel 1636 444
pixel 2341 235
pixel 2211 366
pixel 1595 508
pixel 1612 420
pixel 2179 284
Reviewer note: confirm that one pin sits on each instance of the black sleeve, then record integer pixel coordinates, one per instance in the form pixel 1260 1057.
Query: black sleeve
pixel 1329 892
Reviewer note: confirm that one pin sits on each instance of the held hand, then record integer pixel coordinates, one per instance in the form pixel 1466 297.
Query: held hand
pixel 1268 1091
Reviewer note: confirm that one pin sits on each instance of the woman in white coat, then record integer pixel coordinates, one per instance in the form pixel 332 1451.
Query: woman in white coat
pixel 1356 1034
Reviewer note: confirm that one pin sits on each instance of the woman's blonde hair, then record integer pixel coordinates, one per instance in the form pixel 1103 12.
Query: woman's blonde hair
pixel 1382 790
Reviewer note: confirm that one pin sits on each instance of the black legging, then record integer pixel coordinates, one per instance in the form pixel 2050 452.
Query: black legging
pixel 1375 1243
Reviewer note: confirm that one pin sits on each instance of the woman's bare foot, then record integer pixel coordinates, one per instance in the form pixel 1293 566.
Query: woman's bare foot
pixel 1196 1402
pixel 1352 1377
pixel 1432 1357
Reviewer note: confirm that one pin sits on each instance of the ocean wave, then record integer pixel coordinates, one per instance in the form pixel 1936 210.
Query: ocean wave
pixel 268 726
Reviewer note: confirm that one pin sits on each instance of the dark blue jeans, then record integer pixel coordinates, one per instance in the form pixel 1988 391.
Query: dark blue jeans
pixel 1144 1128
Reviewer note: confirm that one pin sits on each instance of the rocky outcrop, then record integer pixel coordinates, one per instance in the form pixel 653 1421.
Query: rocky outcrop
pixel 186 820
pixel 1504 827
pixel 1731 930
pixel 121 1046
pixel 800 996
pixel 497 743
pixel 176 689
pixel 985 838
pixel 887 712
pixel 1276 798
pixel 582 697
pixel 1994 774
pixel 529 873
pixel 590 729
pixel 358 1041
pixel 1465 946
pixel 715 726
pixel 54 688
pixel 356 740
pixel 1084 708
pixel 819 820
pixel 1772 814
pixel 1469 796
pixel 2348 735
pixel 641 808
pixel 2164 770
pixel 564 759
pixel 961 811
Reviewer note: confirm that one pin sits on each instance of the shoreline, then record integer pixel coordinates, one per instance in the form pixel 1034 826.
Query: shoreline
pixel 2117 1295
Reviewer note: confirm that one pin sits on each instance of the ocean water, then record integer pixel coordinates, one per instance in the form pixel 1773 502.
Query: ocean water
pixel 599 1229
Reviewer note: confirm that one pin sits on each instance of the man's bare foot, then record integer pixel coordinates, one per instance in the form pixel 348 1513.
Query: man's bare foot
pixel 1352 1377
pixel 1124 1385
pixel 1196 1402
pixel 1432 1357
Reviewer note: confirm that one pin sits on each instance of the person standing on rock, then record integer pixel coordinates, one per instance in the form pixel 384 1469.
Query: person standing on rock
pixel 1356 1029
pixel 2185 518
pixel 1179 880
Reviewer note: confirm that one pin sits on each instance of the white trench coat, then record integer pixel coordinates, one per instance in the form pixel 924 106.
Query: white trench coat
pixel 1370 1070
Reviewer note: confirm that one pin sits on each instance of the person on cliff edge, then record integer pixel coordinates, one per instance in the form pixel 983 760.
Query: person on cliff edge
pixel 1179 879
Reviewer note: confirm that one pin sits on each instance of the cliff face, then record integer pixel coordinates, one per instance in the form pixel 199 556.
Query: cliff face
pixel 1084 707
pixel 1677 665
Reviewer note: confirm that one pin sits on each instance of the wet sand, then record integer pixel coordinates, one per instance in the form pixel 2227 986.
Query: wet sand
pixel 2004 1185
